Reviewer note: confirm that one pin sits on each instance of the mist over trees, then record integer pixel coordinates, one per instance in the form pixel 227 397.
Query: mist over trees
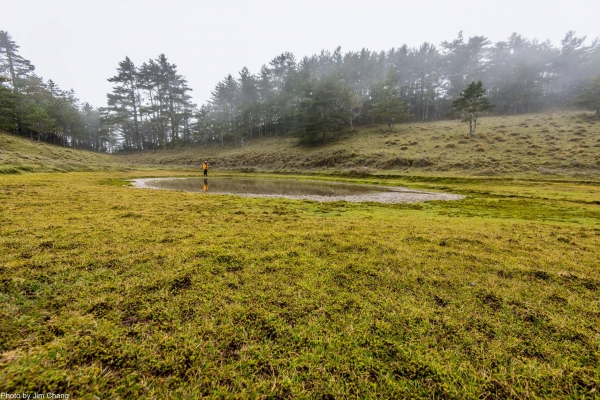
pixel 314 98
pixel 590 98
pixel 321 95
pixel 40 110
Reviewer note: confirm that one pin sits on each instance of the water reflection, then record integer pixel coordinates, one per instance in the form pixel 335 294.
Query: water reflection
pixel 266 186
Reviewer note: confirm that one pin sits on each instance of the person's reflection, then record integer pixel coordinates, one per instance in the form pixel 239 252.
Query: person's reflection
pixel 205 187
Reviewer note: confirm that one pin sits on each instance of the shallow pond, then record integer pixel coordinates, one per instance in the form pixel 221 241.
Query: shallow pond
pixel 282 187
pixel 294 189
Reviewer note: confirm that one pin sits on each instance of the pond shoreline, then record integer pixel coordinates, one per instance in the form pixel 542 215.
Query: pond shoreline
pixel 393 195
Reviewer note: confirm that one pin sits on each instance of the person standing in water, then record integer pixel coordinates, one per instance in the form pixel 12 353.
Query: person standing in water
pixel 205 168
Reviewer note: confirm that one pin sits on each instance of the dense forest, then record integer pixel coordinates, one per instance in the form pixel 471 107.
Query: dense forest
pixel 313 98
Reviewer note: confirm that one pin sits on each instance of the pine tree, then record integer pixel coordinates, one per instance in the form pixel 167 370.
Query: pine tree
pixel 124 103
pixel 154 108
pixel 8 108
pixel 590 98
pixel 13 65
pixel 202 128
pixel 267 99
pixel 175 91
pixel 224 105
pixel 325 107
pixel 470 104
pixel 387 106
pixel 38 120
pixel 248 103
pixel 168 108
pixel 35 104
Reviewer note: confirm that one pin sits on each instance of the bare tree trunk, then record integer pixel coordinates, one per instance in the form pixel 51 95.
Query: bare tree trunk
pixel 135 114
pixel 12 70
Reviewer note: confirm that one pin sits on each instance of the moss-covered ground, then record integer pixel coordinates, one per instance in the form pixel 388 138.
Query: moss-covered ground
pixel 107 291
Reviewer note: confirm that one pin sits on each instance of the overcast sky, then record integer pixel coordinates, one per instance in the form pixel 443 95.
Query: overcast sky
pixel 79 43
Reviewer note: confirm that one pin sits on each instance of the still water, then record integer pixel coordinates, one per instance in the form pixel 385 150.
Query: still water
pixel 283 187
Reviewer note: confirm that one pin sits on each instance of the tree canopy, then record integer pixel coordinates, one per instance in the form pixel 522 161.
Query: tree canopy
pixel 39 109
pixel 471 103
pixel 314 98
pixel 590 97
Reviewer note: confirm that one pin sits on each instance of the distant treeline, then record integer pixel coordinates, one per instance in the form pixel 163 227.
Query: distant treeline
pixel 311 98
pixel 39 109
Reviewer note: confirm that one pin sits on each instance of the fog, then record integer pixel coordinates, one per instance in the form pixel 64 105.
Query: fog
pixel 79 44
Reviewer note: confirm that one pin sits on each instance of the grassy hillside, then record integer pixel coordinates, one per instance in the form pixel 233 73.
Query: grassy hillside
pixel 561 143
pixel 18 154
pixel 112 292
pixel 550 143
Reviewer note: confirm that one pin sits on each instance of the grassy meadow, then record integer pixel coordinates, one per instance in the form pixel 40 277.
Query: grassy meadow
pixel 108 291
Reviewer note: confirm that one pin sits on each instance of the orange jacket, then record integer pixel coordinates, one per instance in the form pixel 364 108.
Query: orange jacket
pixel 204 166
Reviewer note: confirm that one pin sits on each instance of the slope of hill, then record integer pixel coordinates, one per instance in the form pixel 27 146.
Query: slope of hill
pixel 547 143
pixel 560 143
pixel 19 154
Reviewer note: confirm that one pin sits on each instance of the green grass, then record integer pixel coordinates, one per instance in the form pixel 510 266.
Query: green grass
pixel 21 155
pixel 116 292
pixel 545 144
